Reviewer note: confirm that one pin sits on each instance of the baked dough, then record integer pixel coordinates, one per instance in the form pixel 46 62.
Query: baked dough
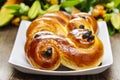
pixel 60 38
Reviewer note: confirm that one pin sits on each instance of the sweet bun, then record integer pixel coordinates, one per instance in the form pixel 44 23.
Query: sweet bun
pixel 89 18
pixel 60 38
pixel 86 52
pixel 42 51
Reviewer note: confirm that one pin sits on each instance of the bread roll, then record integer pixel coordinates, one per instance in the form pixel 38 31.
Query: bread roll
pixel 60 38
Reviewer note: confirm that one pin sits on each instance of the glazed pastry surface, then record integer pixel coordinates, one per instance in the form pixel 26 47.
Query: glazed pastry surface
pixel 60 38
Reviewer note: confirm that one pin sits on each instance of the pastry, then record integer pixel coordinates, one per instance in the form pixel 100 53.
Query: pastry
pixel 58 38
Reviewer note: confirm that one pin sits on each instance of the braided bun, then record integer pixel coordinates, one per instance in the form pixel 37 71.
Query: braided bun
pixel 60 38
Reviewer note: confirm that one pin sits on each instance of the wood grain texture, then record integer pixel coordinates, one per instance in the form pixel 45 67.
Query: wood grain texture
pixel 7 72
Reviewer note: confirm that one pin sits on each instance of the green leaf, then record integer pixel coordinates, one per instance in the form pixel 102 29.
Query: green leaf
pixel 23 9
pixel 53 8
pixel 110 5
pixel 34 10
pixel 101 1
pixel 14 7
pixel 16 13
pixel 68 9
pixel 115 20
pixel 85 5
pixel 70 3
pixel 116 3
pixel 118 7
pixel 107 17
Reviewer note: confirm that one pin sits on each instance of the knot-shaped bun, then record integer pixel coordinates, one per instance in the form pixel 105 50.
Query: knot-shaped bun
pixel 60 38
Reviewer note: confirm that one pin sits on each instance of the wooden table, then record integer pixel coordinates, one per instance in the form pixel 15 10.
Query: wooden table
pixel 7 72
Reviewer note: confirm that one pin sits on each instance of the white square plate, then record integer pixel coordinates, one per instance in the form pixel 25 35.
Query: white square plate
pixel 18 59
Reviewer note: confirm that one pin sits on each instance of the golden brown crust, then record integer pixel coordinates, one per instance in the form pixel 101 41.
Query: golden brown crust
pixel 50 22
pixel 36 55
pixel 89 18
pixel 59 38
pixel 82 58
pixel 77 22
